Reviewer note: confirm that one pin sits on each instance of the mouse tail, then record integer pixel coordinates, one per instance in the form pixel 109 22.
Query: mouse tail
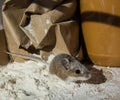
pixel 32 57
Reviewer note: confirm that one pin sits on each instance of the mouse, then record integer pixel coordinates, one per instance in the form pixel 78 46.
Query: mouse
pixel 65 66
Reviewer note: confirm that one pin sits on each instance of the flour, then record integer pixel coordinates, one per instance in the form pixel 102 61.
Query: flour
pixel 32 81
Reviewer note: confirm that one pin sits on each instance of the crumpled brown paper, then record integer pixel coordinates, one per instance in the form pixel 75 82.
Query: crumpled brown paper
pixel 4 59
pixel 45 25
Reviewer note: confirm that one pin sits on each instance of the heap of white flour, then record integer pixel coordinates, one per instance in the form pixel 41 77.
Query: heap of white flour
pixel 32 81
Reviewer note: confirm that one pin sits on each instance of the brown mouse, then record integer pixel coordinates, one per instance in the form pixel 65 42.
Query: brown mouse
pixel 64 66
pixel 69 68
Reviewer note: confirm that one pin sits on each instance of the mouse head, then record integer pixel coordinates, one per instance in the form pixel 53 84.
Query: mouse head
pixel 76 70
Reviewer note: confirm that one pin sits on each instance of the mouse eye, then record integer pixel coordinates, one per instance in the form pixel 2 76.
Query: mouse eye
pixel 77 71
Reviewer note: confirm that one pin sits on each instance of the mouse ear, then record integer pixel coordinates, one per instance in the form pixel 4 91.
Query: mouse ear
pixel 65 62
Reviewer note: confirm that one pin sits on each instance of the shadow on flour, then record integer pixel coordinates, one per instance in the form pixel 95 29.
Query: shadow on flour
pixel 97 76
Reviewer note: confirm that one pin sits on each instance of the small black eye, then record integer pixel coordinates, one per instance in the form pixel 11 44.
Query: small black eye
pixel 77 71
